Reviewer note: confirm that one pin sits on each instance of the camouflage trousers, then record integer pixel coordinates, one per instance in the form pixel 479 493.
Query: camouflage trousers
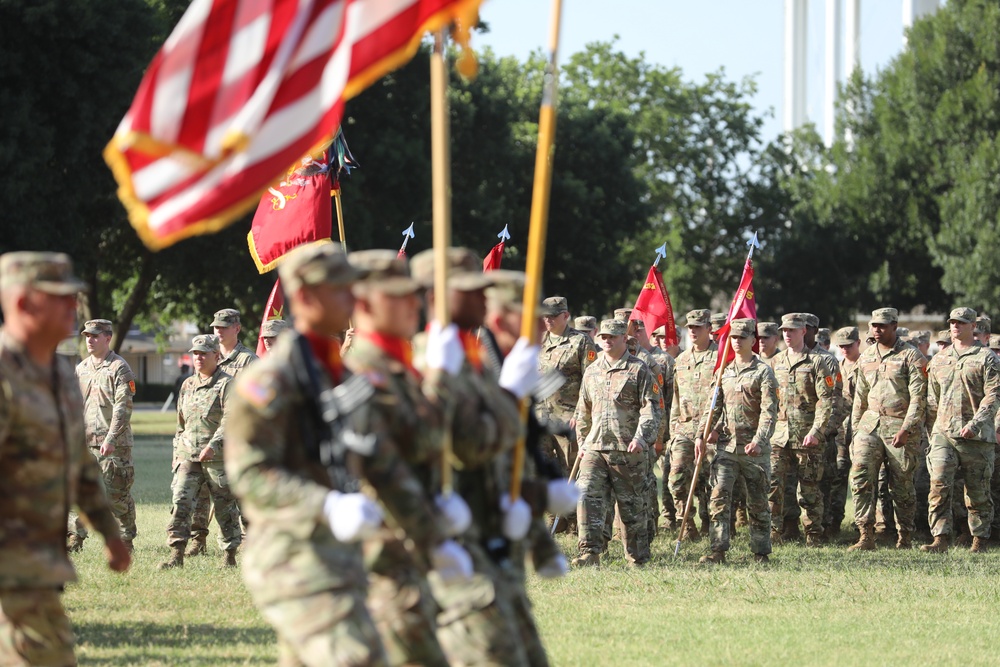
pixel 681 473
pixel 188 477
pixel 400 601
pixel 885 517
pixel 836 478
pixel 921 485
pixel 201 513
pixel 755 471
pixel 607 477
pixel 651 509
pixel 868 452
pixel 117 473
pixel 478 623
pixel 327 628
pixel 995 495
pixel 34 629
pixel 976 460
pixel 807 465
pixel 669 509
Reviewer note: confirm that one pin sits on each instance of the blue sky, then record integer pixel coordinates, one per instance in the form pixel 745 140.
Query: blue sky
pixel 699 36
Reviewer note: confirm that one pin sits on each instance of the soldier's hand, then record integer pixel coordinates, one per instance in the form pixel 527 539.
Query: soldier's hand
pixel 582 452
pixel 967 433
pixel 352 516
pixel 444 349
pixel 519 372
pixel 107 449
pixel 635 447
pixel 713 437
pixel 899 440
pixel 118 555
pixel 699 448
pixel 658 447
pixel 206 454
pixel 563 496
pixel 810 441
pixel 572 423
pixel 752 449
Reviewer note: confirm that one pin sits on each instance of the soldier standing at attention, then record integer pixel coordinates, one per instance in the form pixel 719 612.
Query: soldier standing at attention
pixel 587 324
pixel 805 408
pixel 749 403
pixel 768 335
pixel 201 420
pixel 108 385
pixel 44 461
pixel 888 411
pixel 693 379
pixel 717 321
pixel 269 332
pixel 849 341
pixel 616 422
pixel 668 365
pixel 962 401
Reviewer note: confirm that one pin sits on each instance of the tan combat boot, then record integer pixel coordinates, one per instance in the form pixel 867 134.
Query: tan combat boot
pixel 938 546
pixel 690 533
pixel 741 517
pixel 978 545
pixel 964 538
pixel 714 558
pixel 776 537
pixel 814 540
pixel 176 558
pixel 587 560
pixel 74 543
pixel 228 559
pixel 198 546
pixel 905 540
pixel 866 542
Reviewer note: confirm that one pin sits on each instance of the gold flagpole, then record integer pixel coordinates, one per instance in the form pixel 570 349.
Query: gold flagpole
pixel 441 190
pixel 340 220
pixel 538 229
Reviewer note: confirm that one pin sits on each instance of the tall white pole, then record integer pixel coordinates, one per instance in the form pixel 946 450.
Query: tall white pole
pixel 834 61
pixel 796 31
pixel 914 9
pixel 852 50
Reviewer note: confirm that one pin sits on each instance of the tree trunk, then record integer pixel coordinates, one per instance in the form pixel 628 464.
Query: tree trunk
pixel 135 300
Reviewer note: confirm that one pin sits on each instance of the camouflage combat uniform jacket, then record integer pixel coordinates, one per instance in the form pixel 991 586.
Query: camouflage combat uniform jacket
pixel 963 390
pixel 619 402
pixel 747 410
pixel 46 468
pixel 237 360
pixel 108 387
pixel 201 415
pixel 805 397
pixel 693 378
pixel 570 354
pixel 890 392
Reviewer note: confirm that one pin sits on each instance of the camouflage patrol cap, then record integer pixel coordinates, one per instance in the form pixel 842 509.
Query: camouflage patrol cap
pixel 612 327
pixel 964 315
pixel 943 337
pixel 845 336
pixel 902 332
pixel 385 271
pixel 585 323
pixel 204 343
pixel 226 317
pixel 885 316
pixel 810 320
pixel 767 329
pixel 699 318
pixel 507 290
pixel 272 328
pixel 623 314
pixel 984 324
pixel 743 328
pixel 315 264
pixel 920 338
pixel 554 305
pixel 823 335
pixel 717 320
pixel 95 327
pixel 465 270
pixel 792 321
pixel 49 272
pixel 995 341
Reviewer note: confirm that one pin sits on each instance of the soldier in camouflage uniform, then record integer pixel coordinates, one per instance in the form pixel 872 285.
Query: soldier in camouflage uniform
pixel 743 422
pixel 995 479
pixel 108 385
pixel 887 414
pixel 768 335
pixel 296 475
pixel 197 459
pixel 849 342
pixel 587 324
pixel 962 401
pixel 984 327
pixel 269 332
pixel 805 408
pixel 44 461
pixel 693 380
pixel 652 510
pixel 718 320
pixel 668 364
pixel 570 352
pixel 616 418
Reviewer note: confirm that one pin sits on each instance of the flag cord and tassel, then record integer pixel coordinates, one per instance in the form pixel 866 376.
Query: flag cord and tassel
pixel 539 221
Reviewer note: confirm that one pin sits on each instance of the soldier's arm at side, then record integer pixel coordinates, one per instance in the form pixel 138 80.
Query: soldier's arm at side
pixel 768 408
pixel 649 409
pixel 917 383
pixel 582 415
pixel 933 395
pixel 985 416
pixel 860 403
pixel 215 442
pixel 122 412
pixel 824 403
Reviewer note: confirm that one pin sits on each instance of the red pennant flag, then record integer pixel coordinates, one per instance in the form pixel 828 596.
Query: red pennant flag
pixel 744 305
pixel 274 310
pixel 401 254
pixel 492 261
pixel 653 307
pixel 295 212
pixel 241 89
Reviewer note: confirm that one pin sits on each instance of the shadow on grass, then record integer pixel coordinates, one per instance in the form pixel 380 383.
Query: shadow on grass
pixel 146 643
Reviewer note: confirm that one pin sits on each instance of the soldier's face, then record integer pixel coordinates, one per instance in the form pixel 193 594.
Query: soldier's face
pixel 205 362
pixel 228 335
pixel 768 343
pixel 794 338
pixel 393 315
pixel 555 323
pixel 851 352
pixel 741 345
pixel 98 345
pixel 613 345
pixel 268 342
pixel 699 334
pixel 468 308
pixel 884 333
pixel 49 316
pixel 324 308
pixel 961 331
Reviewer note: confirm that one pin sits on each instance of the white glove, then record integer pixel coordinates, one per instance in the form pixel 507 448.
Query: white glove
pixel 519 372
pixel 352 516
pixel 444 349
pixel 516 518
pixel 563 497
pixel 455 514
pixel 451 561
pixel 554 568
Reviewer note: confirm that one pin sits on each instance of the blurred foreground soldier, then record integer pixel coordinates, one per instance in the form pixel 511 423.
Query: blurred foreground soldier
pixel 108 385
pixel 805 408
pixel 848 340
pixel 743 423
pixel 616 418
pixel 269 332
pixel 44 461
pixel 888 410
pixel 962 401
pixel 587 324
pixel 768 335
pixel 693 380
pixel 197 461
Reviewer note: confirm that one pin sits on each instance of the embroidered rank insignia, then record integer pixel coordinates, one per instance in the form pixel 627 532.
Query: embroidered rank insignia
pixel 255 393
pixel 829 381
pixel 659 378
pixel 131 386
pixel 591 355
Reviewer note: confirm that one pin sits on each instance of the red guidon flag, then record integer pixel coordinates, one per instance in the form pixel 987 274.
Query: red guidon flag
pixel 744 305
pixel 653 307
pixel 274 310
pixel 492 261
pixel 242 89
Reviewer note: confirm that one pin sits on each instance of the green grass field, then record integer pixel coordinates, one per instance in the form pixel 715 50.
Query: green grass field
pixel 812 607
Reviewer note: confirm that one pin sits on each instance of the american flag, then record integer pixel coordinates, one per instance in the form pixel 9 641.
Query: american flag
pixel 244 88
